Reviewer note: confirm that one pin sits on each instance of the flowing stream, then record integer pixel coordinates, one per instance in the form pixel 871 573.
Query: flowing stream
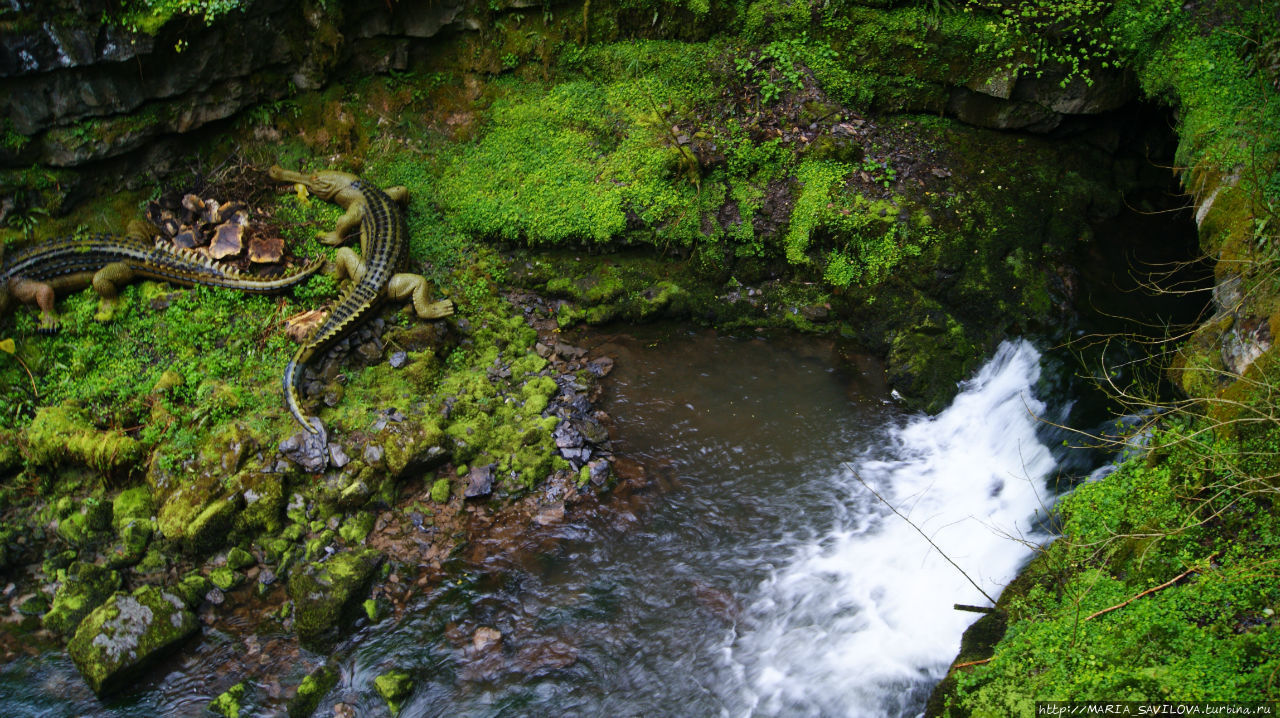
pixel 760 575
pixel 751 572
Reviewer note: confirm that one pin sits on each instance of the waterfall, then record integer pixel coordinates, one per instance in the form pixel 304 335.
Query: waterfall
pixel 859 621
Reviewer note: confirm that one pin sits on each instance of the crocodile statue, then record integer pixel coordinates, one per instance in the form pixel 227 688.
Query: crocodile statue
pixel 384 245
pixel 35 274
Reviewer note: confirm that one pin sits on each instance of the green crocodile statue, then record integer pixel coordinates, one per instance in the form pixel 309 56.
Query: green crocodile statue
pixel 384 244
pixel 35 274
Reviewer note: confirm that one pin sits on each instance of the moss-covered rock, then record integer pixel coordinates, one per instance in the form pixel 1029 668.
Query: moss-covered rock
pixel 86 587
pixel 394 686
pixel 356 528
pixel 63 434
pixel 209 529
pixel 130 505
pixel 311 690
pixel 123 635
pixel 228 703
pixel 325 594
pixel 225 577
pixel 238 559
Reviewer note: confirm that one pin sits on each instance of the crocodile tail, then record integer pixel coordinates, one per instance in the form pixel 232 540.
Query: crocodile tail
pixel 187 267
pixel 292 373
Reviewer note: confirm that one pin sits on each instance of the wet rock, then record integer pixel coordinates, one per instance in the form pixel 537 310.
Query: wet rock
pixel 86 587
pixel 337 456
pixel 228 704
pixel 186 238
pixel 570 352
pixel 412 447
pixel 193 589
pixel 209 529
pixel 311 690
pixel 373 455
pixel 307 450
pixel 370 351
pixel 266 250
pixel 228 241
pixel 479 481
pixel 566 436
pixel 127 632
pixel 545 657
pixel 333 394
pixel 238 559
pixel 486 638
pixel 591 430
pixel 549 516
pixel 215 596
pixel 398 359
pixel 600 367
pixel 598 471
pixel 36 605
pixel 225 578
pixel 132 505
pixel 395 687
pixel 325 594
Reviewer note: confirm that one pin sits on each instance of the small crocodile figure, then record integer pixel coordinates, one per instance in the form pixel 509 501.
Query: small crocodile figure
pixel 384 245
pixel 34 275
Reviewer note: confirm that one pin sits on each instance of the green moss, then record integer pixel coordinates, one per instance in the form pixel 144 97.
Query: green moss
pixel 311 690
pixel 440 491
pixel 324 594
pixel 228 702
pixel 85 588
pixel 132 506
pixel 124 634
pixel 395 687
pixel 354 530
pixel 225 577
pixel 62 434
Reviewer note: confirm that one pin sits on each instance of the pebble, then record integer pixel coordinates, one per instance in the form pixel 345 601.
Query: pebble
pixel 398 359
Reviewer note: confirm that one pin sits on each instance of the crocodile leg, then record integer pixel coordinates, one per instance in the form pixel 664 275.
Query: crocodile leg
pixel 40 294
pixel 348 221
pixel 414 286
pixel 399 193
pixel 107 282
pixel 350 265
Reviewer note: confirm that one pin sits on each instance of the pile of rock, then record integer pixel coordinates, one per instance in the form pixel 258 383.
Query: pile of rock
pixel 218 230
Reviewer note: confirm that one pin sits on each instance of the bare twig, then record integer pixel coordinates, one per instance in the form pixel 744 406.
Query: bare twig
pixel 1149 591
pixel 885 501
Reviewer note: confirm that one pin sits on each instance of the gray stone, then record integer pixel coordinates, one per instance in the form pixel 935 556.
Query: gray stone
pixel 479 481
pixel 307 450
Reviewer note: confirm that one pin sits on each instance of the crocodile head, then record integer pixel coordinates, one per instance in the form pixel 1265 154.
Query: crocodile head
pixel 326 184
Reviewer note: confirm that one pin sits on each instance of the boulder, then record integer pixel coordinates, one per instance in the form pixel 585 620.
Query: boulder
pixel 87 587
pixel 122 636
pixel 394 686
pixel 325 594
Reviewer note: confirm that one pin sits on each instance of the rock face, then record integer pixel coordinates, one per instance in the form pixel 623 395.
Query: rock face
pixel 126 633
pixel 325 593
pixel 80 90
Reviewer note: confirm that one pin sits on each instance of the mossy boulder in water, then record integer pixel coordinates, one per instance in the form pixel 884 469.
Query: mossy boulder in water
pixel 311 690
pixel 87 586
pixel 394 686
pixel 325 593
pixel 124 634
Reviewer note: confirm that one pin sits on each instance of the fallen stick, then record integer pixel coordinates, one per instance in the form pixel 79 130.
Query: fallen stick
pixel 973 609
pixel 1151 590
pixel 979 662
pixel 935 546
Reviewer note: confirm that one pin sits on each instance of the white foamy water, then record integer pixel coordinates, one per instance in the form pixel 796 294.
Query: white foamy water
pixel 859 621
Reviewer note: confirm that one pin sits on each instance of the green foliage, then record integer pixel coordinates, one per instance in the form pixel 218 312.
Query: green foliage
pixel 148 16
pixel 1211 636
pixel 1047 34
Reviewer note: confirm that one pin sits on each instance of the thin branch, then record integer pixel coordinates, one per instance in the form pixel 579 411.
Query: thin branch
pixel 1149 591
pixel 885 501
